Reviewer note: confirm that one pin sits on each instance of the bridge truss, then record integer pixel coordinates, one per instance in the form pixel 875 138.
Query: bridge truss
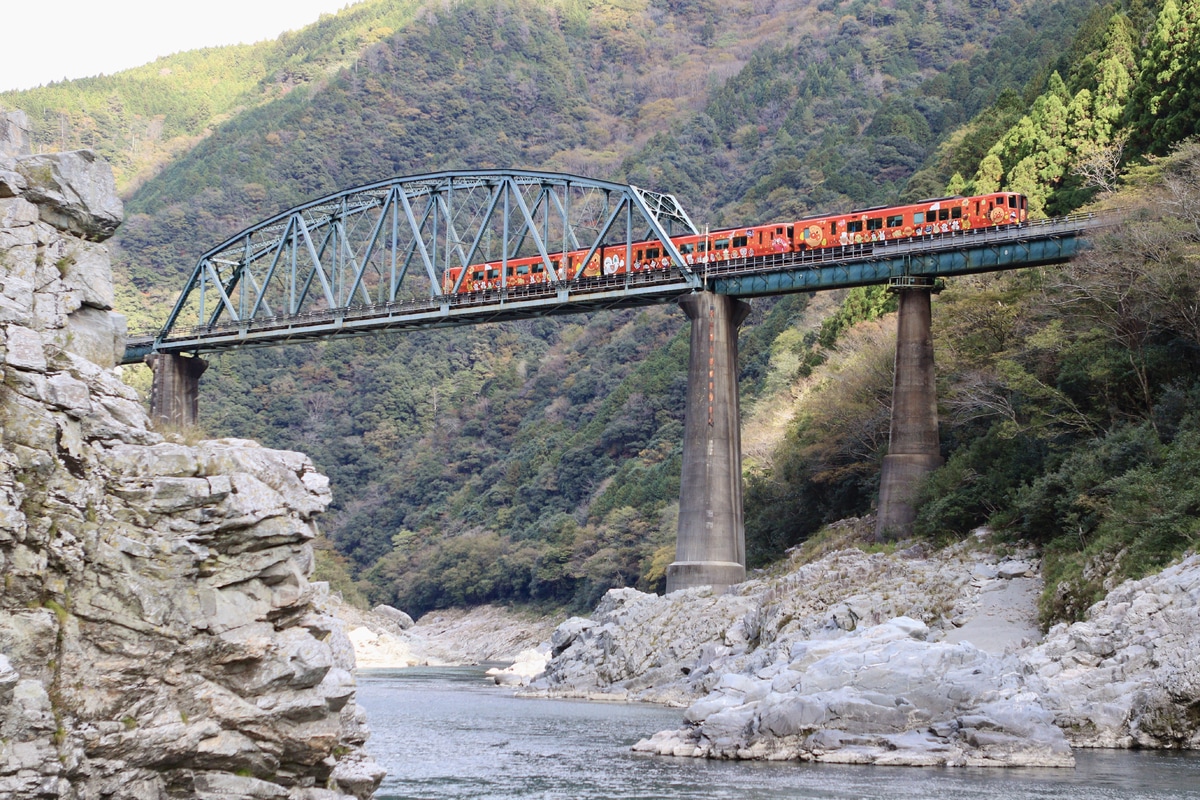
pixel 392 256
pixel 410 239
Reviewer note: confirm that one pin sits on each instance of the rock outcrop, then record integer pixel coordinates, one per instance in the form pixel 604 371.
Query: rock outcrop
pixel 880 695
pixel 159 635
pixel 1129 674
pixel 906 659
pixel 675 649
pixel 14 133
pixel 911 658
pixel 385 638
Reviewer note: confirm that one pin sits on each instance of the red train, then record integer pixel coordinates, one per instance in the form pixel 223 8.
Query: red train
pixel 881 224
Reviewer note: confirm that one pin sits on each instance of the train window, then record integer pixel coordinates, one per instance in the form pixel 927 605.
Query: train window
pixel 944 214
pixel 684 249
pixel 522 270
pixel 896 221
pixel 779 231
pixel 956 213
pixel 854 226
pixel 918 217
pixel 739 241
pixel 637 255
pixel 511 272
pixel 538 269
pixel 833 228
pixel 652 252
pixel 977 208
pixel 493 273
pixel 874 223
pixel 1012 201
pixel 721 244
pixel 701 247
pixel 477 276
pixel 791 232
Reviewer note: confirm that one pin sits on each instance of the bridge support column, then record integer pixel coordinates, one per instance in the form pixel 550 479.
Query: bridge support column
pixel 175 393
pixel 913 451
pixel 710 548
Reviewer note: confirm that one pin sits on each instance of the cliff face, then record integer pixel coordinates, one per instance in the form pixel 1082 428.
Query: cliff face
pixel 158 633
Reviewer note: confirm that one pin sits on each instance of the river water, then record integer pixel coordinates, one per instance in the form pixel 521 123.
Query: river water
pixel 449 733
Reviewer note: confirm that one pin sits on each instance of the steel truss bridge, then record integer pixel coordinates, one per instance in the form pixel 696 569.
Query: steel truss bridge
pixel 392 256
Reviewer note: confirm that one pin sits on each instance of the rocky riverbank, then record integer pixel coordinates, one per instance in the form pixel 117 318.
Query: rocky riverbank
pixel 914 657
pixel 159 636
pixel 386 638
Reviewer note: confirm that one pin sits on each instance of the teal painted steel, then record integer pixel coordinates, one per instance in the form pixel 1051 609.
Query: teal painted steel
pixel 1033 244
pixel 862 272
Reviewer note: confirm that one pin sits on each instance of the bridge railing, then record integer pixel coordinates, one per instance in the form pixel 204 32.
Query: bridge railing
pixel 650 286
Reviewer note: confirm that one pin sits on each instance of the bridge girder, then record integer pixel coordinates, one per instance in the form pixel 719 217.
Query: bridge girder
pixel 410 238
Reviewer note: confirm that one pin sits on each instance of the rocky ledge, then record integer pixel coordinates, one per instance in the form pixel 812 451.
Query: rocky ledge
pixel 159 636
pixel 916 658
pixel 880 695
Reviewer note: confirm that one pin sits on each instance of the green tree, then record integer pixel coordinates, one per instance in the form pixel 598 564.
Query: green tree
pixel 1166 101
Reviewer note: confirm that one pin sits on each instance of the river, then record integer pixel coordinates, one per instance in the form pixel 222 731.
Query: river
pixel 449 733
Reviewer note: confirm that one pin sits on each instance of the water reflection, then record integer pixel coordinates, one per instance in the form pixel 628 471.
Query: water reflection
pixel 448 733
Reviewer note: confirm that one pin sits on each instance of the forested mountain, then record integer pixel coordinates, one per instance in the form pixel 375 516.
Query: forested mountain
pixel 540 460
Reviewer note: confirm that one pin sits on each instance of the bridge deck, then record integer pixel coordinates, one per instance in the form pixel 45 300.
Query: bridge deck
pixel 965 252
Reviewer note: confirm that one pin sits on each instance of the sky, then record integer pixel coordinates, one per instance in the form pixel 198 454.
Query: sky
pixel 48 41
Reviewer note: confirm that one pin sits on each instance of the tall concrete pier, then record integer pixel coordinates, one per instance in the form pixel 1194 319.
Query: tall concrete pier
pixel 710 549
pixel 913 451
pixel 175 393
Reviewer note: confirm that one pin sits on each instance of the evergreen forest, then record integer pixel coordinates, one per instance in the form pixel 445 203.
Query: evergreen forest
pixel 538 462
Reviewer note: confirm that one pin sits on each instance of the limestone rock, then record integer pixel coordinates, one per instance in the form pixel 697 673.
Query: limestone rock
pixel 159 636
pixel 11 183
pixel 404 621
pixel 881 695
pixel 674 649
pixel 14 133
pixel 98 336
pixel 74 191
pixel 1127 675
pixel 527 666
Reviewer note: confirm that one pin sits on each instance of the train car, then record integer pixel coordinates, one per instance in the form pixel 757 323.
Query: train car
pixel 881 224
pixel 926 218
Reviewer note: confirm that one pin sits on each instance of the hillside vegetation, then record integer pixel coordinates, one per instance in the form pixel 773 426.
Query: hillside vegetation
pixel 539 461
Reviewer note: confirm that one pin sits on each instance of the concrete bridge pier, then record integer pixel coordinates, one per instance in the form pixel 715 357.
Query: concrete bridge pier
pixel 913 451
pixel 710 548
pixel 175 393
